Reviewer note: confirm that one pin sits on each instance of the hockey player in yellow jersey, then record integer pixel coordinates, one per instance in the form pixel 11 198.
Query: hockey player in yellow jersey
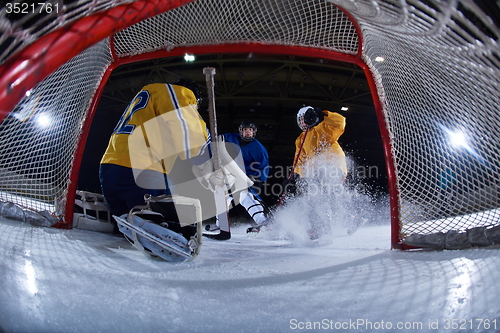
pixel 160 125
pixel 320 168
pixel 321 143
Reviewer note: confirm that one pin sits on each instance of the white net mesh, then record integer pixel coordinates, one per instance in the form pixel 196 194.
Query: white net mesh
pixel 39 138
pixel 440 75
pixel 316 24
pixel 435 64
pixel 23 22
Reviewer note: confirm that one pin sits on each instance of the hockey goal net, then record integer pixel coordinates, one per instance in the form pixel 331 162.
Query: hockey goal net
pixel 433 69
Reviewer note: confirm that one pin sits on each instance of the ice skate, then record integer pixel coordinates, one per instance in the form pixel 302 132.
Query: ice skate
pixel 155 229
pixel 222 235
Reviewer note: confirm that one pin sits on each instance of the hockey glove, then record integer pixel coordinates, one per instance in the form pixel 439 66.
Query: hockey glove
pixel 313 117
pixel 209 179
pixel 217 178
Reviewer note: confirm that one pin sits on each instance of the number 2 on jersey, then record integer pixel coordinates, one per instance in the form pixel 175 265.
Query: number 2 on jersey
pixel 139 102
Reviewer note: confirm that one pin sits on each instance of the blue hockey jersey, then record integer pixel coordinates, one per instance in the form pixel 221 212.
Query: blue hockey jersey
pixel 254 155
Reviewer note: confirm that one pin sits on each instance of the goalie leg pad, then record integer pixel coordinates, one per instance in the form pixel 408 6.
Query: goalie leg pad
pixel 154 239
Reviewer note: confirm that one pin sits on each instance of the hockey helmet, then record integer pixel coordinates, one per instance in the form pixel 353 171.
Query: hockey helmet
pixel 247 124
pixel 191 85
pixel 300 117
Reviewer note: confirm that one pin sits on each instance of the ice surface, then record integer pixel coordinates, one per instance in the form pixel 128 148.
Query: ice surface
pixel 56 280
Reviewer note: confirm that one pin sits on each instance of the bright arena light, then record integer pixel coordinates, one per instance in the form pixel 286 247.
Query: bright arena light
pixel 189 57
pixel 457 139
pixel 43 120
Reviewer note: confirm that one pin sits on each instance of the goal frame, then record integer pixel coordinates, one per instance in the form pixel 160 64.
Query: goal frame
pixel 31 65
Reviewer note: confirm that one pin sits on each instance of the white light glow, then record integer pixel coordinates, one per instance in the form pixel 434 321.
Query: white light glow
pixel 379 59
pixel 460 286
pixel 30 281
pixel 344 108
pixel 19 69
pixel 189 57
pixel 457 139
pixel 43 120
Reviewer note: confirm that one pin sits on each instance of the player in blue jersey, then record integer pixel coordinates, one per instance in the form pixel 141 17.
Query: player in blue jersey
pixel 254 154
pixel 256 167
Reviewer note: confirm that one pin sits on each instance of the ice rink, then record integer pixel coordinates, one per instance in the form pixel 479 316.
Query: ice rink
pixel 57 280
pixel 417 86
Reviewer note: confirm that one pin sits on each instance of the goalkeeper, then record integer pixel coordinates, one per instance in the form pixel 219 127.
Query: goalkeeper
pixel 160 128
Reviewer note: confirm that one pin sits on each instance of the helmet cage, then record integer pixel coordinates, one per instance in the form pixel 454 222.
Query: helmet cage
pixel 244 125
pixel 300 117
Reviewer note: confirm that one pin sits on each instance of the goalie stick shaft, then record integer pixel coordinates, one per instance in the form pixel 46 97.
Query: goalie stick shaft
pixel 220 192
pixel 212 117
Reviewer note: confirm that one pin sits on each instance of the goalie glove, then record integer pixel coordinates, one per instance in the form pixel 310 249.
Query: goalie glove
pixel 290 184
pixel 217 178
pixel 229 173
pixel 208 178
pixel 236 178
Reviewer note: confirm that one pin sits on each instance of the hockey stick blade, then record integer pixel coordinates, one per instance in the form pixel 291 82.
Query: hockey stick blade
pixel 352 229
pixel 152 238
pixel 256 228
pixel 253 229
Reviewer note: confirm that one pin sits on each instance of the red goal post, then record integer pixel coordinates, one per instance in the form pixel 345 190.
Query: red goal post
pixel 433 188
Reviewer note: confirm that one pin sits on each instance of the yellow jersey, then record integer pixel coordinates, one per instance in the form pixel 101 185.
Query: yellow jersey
pixel 159 125
pixel 321 144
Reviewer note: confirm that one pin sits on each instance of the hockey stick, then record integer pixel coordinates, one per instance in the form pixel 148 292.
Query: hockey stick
pixel 294 165
pixel 209 76
pixel 257 228
pixel 220 191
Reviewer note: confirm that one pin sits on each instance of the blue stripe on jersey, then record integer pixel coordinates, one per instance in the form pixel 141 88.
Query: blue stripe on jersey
pixel 184 126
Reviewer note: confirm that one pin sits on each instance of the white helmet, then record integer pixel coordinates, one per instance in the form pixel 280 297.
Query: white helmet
pixel 300 117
